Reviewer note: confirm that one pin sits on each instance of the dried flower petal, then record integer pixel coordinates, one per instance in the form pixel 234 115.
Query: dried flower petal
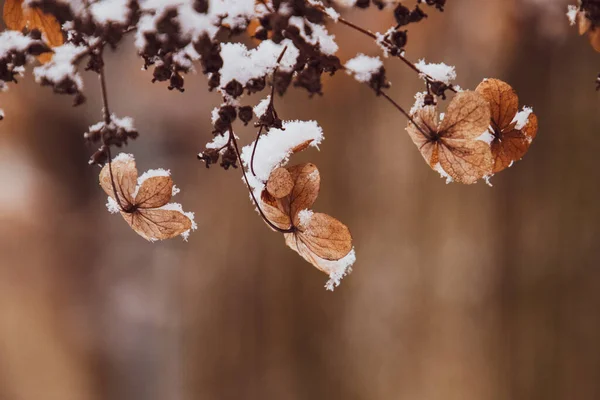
pixel 16 18
pixel 124 173
pixel 454 143
pixel 512 131
pixel 326 237
pixel 145 206
pixel 503 101
pixel 272 209
pixel 157 224
pixel 280 183
pixel 154 192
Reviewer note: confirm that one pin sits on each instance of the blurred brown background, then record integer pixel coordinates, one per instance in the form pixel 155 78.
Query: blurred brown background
pixel 459 292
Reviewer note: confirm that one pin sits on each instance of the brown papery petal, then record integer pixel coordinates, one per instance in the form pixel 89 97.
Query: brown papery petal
pixel 467 117
pixel 158 224
pixel 280 183
pixel 307 182
pixel 49 26
pixel 503 101
pixel 154 192
pixel 16 18
pixel 13 15
pixel 272 210
pixel 583 23
pixel 125 179
pixel 466 161
pixel 302 146
pixel 326 237
pixel 594 36
pixel 512 147
pixel 427 120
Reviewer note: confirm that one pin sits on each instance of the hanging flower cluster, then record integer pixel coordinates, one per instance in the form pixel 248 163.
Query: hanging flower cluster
pixel 481 132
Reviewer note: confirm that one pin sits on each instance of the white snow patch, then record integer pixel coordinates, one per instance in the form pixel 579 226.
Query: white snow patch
pixel 112 206
pixel 62 65
pixel 261 108
pixel 438 168
pixel 419 102
pixel 242 64
pixel 337 269
pixel 274 148
pixel 319 35
pixel 123 157
pixel 218 141
pixel 522 117
pixel 363 67
pixel 440 72
pixel 486 136
pixel 572 11
pixel 110 11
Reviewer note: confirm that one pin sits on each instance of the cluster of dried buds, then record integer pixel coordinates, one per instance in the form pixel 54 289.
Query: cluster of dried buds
pixel 586 15
pixel 481 134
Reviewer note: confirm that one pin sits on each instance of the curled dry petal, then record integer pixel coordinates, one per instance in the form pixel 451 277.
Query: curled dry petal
pixel 326 237
pixel 154 192
pixel 307 182
pixel 427 120
pixel 125 175
pixel 158 224
pixel 280 183
pixel 503 101
pixel 274 211
pixel 585 26
pixel 302 146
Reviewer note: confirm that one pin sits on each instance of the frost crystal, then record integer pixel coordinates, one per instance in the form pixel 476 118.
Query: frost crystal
pixel 305 216
pixel 440 72
pixel 419 102
pixel 112 206
pixel 338 269
pixel 363 67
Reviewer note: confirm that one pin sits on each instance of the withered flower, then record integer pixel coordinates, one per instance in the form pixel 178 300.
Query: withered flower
pixel 452 146
pixel 513 131
pixel 144 202
pixel 319 238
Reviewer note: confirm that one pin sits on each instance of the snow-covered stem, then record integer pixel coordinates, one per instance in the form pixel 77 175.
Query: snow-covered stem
pixel 271 107
pixel 405 60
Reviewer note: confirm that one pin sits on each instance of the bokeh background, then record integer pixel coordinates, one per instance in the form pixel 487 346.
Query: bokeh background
pixel 459 292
